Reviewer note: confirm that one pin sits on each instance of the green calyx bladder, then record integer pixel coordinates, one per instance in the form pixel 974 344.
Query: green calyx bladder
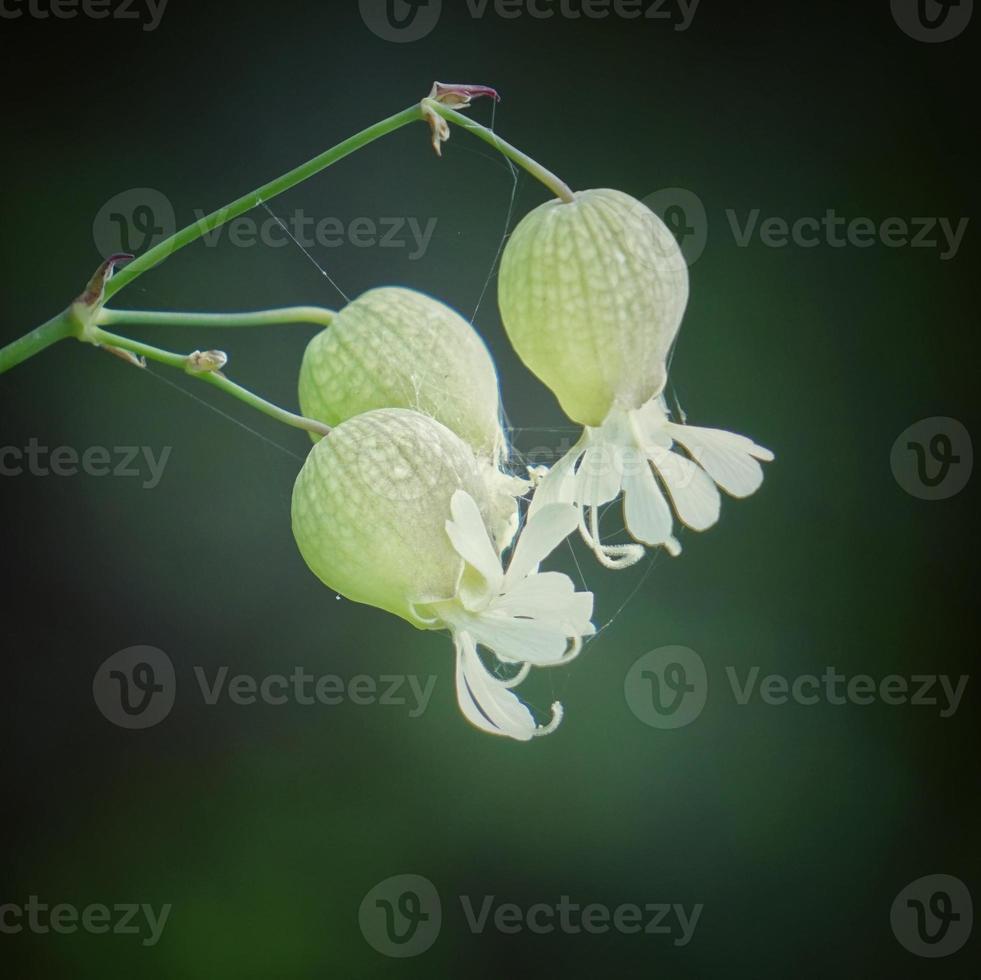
pixel 370 508
pixel 592 294
pixel 398 348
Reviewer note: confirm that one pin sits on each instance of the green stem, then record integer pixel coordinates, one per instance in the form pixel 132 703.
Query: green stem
pixel 292 314
pixel 265 193
pixel 184 362
pixel 57 328
pixel 558 187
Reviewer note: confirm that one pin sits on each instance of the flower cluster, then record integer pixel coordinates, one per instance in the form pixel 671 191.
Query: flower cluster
pixel 407 504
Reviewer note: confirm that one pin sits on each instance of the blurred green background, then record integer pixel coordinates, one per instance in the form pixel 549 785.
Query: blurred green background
pixel 265 826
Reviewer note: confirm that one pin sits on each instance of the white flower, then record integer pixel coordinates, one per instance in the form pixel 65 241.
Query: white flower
pixel 527 618
pixel 635 452
pixel 592 296
pixel 392 510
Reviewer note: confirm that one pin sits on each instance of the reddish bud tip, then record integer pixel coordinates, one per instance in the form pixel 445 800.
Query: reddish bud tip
pixel 452 92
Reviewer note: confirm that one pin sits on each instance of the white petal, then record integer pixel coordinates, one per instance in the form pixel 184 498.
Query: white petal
pixel 649 425
pixel 485 701
pixel 730 459
pixel 559 484
pixel 519 641
pixel 646 512
pixel 600 473
pixel 696 498
pixel 469 535
pixel 544 531
pixel 549 598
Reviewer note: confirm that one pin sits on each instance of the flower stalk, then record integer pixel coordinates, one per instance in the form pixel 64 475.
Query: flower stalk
pixel 262 318
pixel 206 366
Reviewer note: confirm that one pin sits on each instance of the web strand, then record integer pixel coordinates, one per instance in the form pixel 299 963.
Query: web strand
pixel 305 251
pixel 515 175
pixel 224 415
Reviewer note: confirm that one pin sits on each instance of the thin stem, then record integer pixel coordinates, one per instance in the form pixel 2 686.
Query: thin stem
pixel 184 362
pixel 57 328
pixel 265 193
pixel 141 318
pixel 558 187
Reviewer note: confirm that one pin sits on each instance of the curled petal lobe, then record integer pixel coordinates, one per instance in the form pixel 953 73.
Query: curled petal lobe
pixel 488 703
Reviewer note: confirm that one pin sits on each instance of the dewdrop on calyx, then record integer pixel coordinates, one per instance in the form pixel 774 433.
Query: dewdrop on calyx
pixel 389 510
pixel 398 348
pixel 592 294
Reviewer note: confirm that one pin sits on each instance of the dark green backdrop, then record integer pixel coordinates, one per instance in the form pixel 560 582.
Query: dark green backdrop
pixel 264 826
